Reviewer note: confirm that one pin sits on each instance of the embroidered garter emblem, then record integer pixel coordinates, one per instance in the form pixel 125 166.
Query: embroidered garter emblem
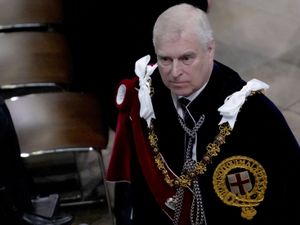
pixel 241 181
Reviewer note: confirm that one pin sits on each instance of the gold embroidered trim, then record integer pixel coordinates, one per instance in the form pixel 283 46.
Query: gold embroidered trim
pixel 185 179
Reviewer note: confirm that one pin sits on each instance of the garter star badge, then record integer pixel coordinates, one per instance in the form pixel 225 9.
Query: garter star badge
pixel 241 181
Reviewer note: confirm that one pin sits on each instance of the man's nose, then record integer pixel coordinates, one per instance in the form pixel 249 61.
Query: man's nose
pixel 176 68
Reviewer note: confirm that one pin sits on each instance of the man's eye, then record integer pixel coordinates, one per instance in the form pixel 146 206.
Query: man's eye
pixel 164 60
pixel 187 60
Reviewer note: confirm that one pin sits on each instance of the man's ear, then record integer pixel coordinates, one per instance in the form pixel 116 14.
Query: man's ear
pixel 211 48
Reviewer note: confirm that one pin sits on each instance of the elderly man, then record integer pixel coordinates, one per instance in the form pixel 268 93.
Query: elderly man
pixel 197 143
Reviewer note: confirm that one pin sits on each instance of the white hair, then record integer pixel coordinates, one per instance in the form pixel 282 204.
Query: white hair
pixel 181 19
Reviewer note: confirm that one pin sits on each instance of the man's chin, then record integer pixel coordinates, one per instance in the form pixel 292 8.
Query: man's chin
pixel 181 92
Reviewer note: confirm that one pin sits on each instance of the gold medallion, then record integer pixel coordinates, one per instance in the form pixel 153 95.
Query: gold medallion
pixel 241 181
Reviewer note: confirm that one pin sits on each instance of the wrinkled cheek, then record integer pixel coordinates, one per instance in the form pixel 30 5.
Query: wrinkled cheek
pixel 164 71
pixel 165 81
pixel 164 75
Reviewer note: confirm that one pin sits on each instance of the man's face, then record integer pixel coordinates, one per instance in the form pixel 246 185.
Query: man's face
pixel 183 64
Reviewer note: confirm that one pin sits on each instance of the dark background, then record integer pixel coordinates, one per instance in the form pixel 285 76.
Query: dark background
pixel 106 39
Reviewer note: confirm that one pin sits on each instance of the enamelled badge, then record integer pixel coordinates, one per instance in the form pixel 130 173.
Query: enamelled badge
pixel 241 181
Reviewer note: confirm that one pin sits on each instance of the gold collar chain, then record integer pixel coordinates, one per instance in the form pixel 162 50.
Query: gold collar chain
pixel 185 179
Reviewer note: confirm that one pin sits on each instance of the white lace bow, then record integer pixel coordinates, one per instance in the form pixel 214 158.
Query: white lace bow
pixel 230 109
pixel 143 71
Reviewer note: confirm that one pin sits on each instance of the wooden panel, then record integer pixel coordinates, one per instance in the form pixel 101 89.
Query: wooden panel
pixel 34 57
pixel 22 12
pixel 60 120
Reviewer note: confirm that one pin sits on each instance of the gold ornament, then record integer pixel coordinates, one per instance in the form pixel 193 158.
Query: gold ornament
pixel 251 198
